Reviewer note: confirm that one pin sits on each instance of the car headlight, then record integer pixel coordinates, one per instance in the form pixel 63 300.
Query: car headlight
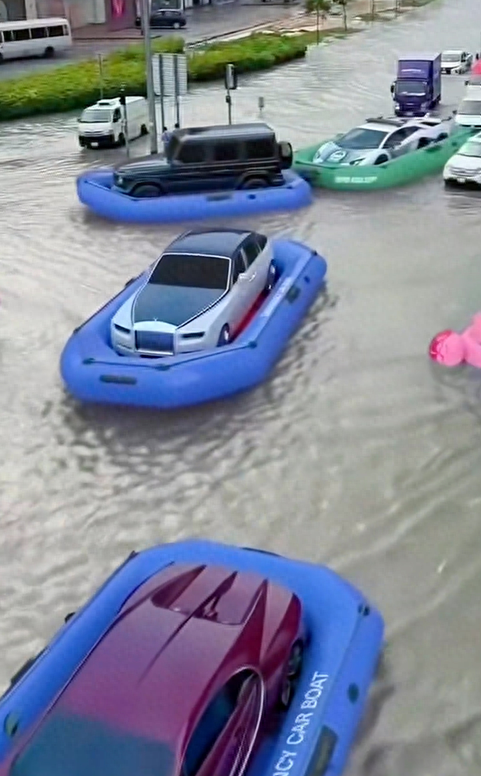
pixel 119 180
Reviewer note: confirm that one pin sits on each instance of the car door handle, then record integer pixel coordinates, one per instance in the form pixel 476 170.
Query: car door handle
pixel 252 277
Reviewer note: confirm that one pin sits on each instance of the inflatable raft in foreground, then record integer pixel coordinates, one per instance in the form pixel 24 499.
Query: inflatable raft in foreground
pixel 404 169
pixel 94 372
pixel 103 676
pixel 94 189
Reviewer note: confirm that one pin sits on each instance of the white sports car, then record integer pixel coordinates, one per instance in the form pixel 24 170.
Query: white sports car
pixel 379 140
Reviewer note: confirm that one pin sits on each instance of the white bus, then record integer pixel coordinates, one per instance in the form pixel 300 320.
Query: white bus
pixel 34 38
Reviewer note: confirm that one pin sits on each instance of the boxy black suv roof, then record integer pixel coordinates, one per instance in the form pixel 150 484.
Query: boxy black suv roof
pixel 234 156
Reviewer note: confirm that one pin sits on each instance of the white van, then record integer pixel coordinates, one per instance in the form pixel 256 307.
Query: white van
pixel 103 124
pixel 469 111
pixel 34 38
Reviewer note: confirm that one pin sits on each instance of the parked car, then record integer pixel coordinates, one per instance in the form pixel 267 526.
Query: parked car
pixel 455 62
pixel 465 166
pixel 165 17
pixel 187 680
pixel 197 294
pixel 379 140
pixel 245 156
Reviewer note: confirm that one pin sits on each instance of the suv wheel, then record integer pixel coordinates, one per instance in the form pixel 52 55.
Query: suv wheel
pixel 147 190
pixel 254 183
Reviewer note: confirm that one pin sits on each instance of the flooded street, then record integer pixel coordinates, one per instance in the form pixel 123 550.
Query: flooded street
pixel 357 453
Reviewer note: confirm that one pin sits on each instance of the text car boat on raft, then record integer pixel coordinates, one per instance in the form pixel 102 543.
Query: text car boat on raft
pixel 381 153
pixel 208 320
pixel 206 172
pixel 199 659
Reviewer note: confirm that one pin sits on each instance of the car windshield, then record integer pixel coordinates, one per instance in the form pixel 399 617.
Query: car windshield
pixel 95 116
pixel 185 270
pixel 470 108
pixel 415 88
pixel 471 148
pixel 451 56
pixel 71 745
pixel 362 138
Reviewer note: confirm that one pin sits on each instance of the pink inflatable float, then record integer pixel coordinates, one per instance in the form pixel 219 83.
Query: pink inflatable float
pixel 450 348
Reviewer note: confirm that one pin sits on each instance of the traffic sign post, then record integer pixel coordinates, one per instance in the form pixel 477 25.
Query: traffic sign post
pixel 230 81
pixel 170 80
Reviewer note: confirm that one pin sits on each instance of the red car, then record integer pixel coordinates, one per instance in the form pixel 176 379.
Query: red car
pixel 182 684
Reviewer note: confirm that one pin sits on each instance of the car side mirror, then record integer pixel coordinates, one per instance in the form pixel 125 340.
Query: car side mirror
pixel 466 83
pixel 392 88
pixel 454 112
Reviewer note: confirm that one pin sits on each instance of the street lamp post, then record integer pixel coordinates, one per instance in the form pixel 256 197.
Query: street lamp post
pixel 145 14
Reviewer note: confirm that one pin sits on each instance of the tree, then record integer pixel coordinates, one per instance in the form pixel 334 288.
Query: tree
pixel 344 4
pixel 320 8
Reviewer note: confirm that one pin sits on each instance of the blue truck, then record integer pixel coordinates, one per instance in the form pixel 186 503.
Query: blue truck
pixel 417 88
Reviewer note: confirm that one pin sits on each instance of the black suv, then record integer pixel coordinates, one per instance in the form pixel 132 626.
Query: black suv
pixel 204 159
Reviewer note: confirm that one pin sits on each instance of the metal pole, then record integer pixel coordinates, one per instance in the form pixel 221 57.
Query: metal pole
pixel 100 59
pixel 176 90
pixel 162 106
pixel 228 100
pixel 145 12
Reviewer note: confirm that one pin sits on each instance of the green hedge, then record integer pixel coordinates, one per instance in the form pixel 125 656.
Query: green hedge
pixel 76 86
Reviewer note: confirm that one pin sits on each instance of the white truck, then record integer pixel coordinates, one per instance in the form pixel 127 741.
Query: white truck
pixel 108 123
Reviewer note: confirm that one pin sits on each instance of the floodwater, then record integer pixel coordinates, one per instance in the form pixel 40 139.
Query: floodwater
pixel 357 453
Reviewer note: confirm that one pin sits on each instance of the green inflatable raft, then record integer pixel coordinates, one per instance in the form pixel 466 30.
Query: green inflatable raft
pixel 397 172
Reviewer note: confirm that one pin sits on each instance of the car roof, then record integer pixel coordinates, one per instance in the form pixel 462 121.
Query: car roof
pixel 453 51
pixel 210 242
pixel 175 642
pixel 423 57
pixel 379 124
pixel 224 131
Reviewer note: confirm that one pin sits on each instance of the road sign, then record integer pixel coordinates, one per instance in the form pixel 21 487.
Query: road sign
pixel 170 71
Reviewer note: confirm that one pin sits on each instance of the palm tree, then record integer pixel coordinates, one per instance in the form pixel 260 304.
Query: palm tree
pixel 321 7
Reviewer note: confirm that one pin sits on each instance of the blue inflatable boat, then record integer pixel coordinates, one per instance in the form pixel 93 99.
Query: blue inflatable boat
pixel 199 591
pixel 94 189
pixel 93 372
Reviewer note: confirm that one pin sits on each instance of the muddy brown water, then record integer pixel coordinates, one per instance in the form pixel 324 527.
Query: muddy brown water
pixel 356 453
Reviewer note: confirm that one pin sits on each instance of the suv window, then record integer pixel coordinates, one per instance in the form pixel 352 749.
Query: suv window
pixel 251 252
pixel 260 149
pixel 212 723
pixel 192 153
pixel 226 152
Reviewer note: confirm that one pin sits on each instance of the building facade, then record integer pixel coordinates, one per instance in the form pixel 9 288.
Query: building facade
pixel 115 14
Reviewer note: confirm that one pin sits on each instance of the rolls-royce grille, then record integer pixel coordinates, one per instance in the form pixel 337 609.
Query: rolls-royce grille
pixel 154 342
